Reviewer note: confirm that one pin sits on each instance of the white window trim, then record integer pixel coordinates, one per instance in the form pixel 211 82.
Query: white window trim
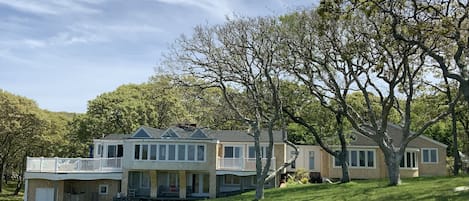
pixel 358 161
pixel 405 161
pixel 241 155
pixel 265 147
pixel 167 152
pixel 107 189
pixel 429 162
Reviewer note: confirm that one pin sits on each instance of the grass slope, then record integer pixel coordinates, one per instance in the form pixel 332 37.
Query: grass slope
pixel 429 188
pixel 7 193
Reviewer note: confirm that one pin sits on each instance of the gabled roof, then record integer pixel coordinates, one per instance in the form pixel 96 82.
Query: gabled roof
pixel 394 132
pixel 177 133
pixel 169 133
pixel 198 134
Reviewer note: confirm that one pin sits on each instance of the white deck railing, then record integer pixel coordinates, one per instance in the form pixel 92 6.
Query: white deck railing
pixel 71 165
pixel 247 164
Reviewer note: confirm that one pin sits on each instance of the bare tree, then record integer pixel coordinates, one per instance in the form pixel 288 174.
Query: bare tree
pixel 437 27
pixel 242 58
pixel 309 48
pixel 357 53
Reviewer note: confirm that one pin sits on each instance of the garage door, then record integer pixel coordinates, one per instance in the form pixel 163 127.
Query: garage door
pixel 44 194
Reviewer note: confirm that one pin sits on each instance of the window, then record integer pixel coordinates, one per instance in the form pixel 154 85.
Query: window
pixel 171 152
pixel 353 155
pixel 114 151
pixel 337 160
pixel 162 152
pixel 153 152
pixel 371 158
pixel 232 152
pixel 252 152
pixel 311 160
pixel 120 150
pixel 200 152
pixel 103 189
pixel 145 152
pixel 430 155
pixel 231 179
pixel 293 164
pixel 100 150
pixel 190 152
pixel 358 158
pixel 144 180
pixel 111 151
pixel 137 152
pixel 409 160
pixel 182 152
pixel 361 156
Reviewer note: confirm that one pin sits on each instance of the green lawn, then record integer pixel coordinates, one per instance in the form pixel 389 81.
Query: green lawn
pixel 7 193
pixel 430 188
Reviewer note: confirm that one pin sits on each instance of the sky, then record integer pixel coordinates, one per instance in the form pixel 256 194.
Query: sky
pixel 63 53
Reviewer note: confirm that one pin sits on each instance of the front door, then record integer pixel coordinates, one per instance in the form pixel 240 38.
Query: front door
pixel 44 194
pixel 200 185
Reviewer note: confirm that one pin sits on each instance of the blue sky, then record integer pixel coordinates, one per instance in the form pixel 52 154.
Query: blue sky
pixel 64 53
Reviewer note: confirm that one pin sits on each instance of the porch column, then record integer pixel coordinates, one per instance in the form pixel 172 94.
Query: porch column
pixel 182 184
pixel 153 184
pixel 213 184
pixel 124 182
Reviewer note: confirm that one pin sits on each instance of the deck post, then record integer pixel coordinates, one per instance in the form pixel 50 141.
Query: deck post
pixel 153 184
pixel 182 184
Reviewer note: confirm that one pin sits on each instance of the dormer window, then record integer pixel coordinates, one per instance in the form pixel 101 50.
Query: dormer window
pixel 199 134
pixel 141 133
pixel 170 134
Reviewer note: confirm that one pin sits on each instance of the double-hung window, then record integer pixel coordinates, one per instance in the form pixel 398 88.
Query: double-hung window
pixel 409 160
pixel 252 152
pixel 429 155
pixel 358 158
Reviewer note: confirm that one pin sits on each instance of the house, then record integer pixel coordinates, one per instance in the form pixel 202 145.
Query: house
pixel 175 163
pixel 423 157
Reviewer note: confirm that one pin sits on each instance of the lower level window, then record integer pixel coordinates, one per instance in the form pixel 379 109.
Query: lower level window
pixel 409 160
pixel 231 179
pixel 103 189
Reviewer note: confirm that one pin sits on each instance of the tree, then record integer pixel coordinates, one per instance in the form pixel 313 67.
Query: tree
pixel 20 124
pixel 361 50
pixel 241 58
pixel 438 28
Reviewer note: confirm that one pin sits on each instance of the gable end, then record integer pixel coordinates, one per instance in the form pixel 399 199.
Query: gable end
pixel 141 133
pixel 199 134
pixel 169 134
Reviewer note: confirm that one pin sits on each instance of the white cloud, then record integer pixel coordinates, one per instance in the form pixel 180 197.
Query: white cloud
pixel 49 7
pixel 219 8
pixel 34 43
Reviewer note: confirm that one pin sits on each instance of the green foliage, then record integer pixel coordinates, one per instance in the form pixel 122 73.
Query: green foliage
pixel 300 176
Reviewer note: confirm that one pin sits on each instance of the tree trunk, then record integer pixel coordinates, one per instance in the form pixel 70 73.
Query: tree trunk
pixel 343 145
pixel 393 161
pixel 345 173
pixel 259 175
pixel 457 159
pixel 2 172
pixel 260 189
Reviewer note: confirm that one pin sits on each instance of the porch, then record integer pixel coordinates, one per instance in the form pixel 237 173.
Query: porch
pixel 241 164
pixel 168 185
pixel 73 165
